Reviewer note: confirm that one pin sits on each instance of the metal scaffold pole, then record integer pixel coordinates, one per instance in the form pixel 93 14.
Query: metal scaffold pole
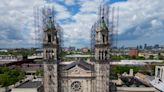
pixel 48 35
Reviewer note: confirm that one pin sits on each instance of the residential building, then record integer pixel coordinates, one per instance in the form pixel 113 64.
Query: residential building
pixel 158 82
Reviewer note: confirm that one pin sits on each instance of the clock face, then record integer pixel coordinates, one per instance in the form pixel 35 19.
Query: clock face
pixel 76 86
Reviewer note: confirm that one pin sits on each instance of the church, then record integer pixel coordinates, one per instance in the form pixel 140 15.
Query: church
pixel 77 76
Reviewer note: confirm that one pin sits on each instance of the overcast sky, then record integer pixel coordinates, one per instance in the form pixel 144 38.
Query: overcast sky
pixel 140 21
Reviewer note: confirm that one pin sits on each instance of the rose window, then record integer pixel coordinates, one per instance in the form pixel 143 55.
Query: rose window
pixel 76 86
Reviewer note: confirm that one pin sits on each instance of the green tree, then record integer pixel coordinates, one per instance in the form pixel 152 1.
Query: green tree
pixel 140 58
pixel 119 69
pixel 4 80
pixel 39 72
pixel 10 76
pixel 151 57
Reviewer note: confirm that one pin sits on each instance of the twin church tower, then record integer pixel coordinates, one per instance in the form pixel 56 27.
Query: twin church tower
pixel 77 76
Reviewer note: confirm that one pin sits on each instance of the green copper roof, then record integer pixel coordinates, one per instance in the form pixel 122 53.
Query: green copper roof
pixel 103 24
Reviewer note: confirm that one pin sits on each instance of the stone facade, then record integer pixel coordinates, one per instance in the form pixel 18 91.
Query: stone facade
pixel 50 54
pixel 78 76
pixel 102 65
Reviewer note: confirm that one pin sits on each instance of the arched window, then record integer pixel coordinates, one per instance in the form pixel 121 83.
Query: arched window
pixel 99 55
pixel 49 38
pixel 106 53
pixel 103 36
pixel 102 55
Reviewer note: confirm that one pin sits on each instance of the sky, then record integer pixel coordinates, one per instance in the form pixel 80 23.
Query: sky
pixel 140 21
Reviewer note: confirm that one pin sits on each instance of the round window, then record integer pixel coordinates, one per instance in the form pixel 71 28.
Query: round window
pixel 76 86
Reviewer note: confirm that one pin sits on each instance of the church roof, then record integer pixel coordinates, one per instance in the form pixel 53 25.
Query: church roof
pixel 30 84
pixel 81 64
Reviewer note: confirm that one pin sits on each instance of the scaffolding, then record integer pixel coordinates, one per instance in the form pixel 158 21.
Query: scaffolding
pixel 48 35
pixel 107 23
pixel 37 26
pixel 111 17
pixel 103 12
pixel 44 17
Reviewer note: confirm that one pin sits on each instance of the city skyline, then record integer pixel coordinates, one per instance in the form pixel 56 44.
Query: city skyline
pixel 140 21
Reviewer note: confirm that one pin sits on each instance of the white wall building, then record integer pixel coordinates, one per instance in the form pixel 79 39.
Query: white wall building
pixel 158 82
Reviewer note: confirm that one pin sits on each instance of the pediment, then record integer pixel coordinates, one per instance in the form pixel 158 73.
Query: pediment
pixel 77 69
pixel 80 64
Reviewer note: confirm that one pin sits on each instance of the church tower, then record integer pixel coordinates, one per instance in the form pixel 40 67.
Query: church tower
pixel 102 66
pixel 51 51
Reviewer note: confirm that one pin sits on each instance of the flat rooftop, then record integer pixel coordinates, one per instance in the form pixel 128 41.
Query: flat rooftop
pixel 77 56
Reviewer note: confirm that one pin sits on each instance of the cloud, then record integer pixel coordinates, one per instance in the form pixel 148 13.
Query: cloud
pixel 16 18
pixel 140 20
pixel 89 6
pixel 69 2
pixel 62 11
pixel 17 21
pixel 77 31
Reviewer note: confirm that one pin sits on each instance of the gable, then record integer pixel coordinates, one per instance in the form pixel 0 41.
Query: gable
pixel 84 65
pixel 77 70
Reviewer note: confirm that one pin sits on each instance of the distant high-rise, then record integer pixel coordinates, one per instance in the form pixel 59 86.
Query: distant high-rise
pixel 156 46
pixel 145 46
